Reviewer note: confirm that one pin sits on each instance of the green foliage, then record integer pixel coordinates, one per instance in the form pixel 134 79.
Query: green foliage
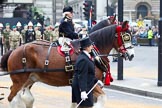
pixel 37 14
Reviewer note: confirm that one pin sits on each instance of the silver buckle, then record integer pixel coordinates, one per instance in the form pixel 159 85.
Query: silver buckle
pixel 46 62
pixel 70 81
pixel 23 60
pixel 69 68
pixel 67 58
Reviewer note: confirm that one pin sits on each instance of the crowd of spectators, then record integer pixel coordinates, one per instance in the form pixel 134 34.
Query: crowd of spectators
pixel 148 32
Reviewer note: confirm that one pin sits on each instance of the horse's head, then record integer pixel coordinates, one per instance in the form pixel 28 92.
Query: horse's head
pixel 123 44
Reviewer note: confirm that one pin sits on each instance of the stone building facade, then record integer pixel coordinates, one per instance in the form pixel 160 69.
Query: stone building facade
pixel 148 9
pixel 52 9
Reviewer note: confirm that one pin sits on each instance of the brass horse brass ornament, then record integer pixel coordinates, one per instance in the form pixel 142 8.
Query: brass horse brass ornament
pixel 126 37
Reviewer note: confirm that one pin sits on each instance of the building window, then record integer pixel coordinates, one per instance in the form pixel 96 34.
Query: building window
pixel 143 10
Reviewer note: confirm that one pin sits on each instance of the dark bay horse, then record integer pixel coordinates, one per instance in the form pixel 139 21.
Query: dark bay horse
pixel 35 54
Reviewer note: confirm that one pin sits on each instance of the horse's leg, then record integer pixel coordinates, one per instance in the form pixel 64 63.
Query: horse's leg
pixel 17 102
pixel 27 97
pixel 17 85
pixel 24 96
pixel 100 97
pixel 14 89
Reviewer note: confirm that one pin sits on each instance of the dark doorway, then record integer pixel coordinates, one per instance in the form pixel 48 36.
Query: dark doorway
pixel 21 11
pixel 143 10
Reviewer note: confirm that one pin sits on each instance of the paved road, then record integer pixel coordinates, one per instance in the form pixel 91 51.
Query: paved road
pixel 60 97
pixel 144 64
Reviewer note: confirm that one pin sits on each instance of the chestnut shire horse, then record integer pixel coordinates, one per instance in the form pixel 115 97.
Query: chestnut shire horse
pixel 34 55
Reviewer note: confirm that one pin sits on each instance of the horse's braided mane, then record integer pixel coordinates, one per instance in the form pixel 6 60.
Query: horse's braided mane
pixel 103 37
pixel 100 25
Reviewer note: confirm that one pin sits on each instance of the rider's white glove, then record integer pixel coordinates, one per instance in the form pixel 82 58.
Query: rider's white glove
pixel 100 83
pixel 84 95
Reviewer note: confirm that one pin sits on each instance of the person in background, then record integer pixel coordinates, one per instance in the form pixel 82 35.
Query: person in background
pixel 23 32
pixel 150 36
pixel 40 28
pixel 37 33
pixel 56 32
pixel 18 25
pixel 19 29
pixel 46 35
pixel 5 38
pixel 15 38
pixel 30 33
pixel 52 34
pixel 155 33
pixel 1 30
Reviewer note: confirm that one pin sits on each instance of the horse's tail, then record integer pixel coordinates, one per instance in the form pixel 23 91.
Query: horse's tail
pixel 4 60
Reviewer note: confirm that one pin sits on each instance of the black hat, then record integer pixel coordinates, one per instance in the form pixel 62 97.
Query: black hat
pixel 68 9
pixel 85 42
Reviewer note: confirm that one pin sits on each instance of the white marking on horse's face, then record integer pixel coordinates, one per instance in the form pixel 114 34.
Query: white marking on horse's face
pixel 130 51
pixel 23 99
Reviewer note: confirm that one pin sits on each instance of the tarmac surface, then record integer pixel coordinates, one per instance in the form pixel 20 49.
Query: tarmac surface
pixel 140 74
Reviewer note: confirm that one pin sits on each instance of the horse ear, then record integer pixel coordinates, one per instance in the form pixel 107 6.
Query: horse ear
pixel 125 25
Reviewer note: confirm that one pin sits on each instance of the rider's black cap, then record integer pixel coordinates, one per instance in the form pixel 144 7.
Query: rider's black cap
pixel 68 9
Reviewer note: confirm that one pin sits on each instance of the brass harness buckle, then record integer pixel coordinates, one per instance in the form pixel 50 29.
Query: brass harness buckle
pixel 69 68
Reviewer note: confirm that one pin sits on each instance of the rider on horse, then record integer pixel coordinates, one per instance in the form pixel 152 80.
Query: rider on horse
pixel 66 29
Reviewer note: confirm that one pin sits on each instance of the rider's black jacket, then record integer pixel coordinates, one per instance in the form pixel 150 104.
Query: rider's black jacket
pixel 66 29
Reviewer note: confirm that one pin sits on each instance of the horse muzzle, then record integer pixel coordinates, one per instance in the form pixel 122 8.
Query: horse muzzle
pixel 128 56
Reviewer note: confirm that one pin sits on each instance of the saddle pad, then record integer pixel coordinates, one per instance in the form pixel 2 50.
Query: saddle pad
pixel 62 52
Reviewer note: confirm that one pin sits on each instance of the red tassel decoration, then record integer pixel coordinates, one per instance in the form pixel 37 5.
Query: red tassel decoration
pixel 111 78
pixel 107 79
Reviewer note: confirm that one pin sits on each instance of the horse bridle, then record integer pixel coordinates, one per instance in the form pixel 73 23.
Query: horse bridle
pixel 123 37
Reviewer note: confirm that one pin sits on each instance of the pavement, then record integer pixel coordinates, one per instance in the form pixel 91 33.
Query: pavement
pixel 139 75
pixel 140 86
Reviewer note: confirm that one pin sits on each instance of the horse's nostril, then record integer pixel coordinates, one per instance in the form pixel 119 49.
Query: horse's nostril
pixel 131 57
